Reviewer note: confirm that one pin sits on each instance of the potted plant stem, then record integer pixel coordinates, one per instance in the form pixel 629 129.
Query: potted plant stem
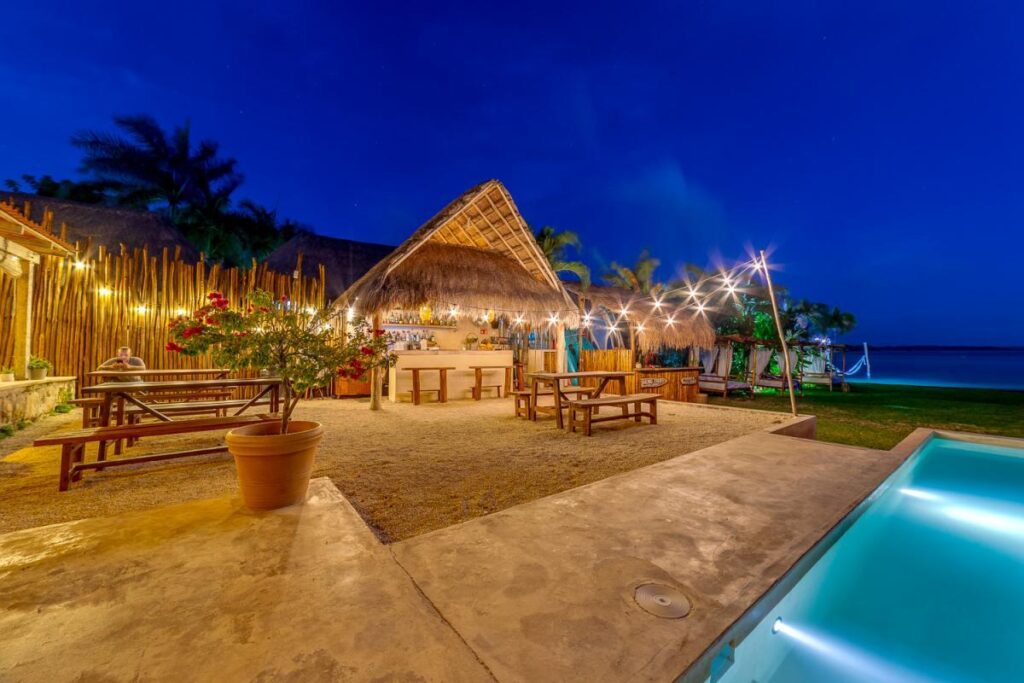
pixel 6 374
pixel 37 367
pixel 274 459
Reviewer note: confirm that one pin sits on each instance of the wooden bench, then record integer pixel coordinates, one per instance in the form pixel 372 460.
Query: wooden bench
pixel 72 454
pixel 522 398
pixel 581 412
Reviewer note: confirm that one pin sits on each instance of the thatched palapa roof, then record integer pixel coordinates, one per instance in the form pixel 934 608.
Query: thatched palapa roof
pixel 92 225
pixel 657 326
pixel 344 261
pixel 476 254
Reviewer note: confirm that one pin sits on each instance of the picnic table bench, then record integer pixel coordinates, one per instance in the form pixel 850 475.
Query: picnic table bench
pixel 72 454
pixel 555 379
pixel 581 412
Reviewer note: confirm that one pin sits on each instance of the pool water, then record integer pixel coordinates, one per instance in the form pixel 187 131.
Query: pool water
pixel 926 585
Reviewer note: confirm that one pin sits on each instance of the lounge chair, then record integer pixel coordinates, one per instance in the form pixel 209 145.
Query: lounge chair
pixel 719 381
pixel 818 368
pixel 763 357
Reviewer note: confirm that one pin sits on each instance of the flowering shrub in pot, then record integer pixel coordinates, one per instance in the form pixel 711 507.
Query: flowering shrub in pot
pixel 299 347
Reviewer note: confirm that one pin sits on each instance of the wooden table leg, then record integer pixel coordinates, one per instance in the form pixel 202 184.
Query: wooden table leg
pixel 558 404
pixel 478 387
pixel 101 447
pixel 622 386
pixel 638 407
pixel 508 381
pixel 415 386
pixel 443 393
pixel 531 409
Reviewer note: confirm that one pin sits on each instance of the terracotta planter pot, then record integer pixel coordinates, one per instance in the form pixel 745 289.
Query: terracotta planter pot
pixel 37 373
pixel 274 468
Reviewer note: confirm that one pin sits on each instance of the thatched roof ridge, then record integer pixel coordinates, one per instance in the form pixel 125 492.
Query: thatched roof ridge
pixel 92 225
pixel 344 261
pixel 666 325
pixel 480 229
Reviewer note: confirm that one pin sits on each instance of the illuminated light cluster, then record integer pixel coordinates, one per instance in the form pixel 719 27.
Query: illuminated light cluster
pixel 104 291
pixel 79 265
pixel 141 309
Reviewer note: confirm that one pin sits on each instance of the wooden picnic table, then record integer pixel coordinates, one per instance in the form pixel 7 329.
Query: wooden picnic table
pixel 478 387
pixel 155 373
pixel 442 390
pixel 555 379
pixel 134 393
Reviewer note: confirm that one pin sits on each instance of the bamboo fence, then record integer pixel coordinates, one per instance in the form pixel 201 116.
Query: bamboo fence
pixel 83 311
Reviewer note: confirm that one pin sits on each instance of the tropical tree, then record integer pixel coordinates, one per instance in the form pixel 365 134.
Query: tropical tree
pixel 190 183
pixel 554 244
pixel 86 192
pixel 639 278
pixel 149 168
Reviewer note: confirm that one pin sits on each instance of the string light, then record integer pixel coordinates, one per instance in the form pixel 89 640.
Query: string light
pixel 80 265
pixel 350 315
pixel 553 320
pixel 519 320
pixel 180 312
pixel 104 291
pixel 141 309
pixel 640 327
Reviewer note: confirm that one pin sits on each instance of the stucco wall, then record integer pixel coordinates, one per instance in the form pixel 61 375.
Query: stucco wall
pixel 29 399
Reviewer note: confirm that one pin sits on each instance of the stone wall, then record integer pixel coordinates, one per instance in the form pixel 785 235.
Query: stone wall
pixel 29 399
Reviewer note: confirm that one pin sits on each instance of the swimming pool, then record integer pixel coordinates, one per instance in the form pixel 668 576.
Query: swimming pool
pixel 926 585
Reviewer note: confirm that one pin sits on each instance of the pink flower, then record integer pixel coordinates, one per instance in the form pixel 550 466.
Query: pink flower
pixel 171 346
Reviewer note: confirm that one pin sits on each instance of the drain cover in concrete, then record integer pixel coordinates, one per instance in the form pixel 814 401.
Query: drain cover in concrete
pixel 662 601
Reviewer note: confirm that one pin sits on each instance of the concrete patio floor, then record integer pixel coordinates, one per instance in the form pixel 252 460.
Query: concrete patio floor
pixel 538 592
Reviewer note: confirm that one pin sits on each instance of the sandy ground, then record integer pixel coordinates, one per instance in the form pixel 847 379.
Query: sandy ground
pixel 407 469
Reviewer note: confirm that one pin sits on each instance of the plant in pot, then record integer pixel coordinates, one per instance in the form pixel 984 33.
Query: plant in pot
pixel 37 367
pixel 7 374
pixel 274 459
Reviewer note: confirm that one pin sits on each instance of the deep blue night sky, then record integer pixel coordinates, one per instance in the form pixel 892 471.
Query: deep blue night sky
pixel 876 149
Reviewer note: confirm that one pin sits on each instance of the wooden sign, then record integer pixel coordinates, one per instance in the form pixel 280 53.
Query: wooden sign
pixel 687 381
pixel 652 382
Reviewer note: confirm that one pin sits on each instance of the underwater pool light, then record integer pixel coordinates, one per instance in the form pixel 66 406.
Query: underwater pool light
pixel 777 625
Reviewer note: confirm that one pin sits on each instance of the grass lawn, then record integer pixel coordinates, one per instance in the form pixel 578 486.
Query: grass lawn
pixel 880 415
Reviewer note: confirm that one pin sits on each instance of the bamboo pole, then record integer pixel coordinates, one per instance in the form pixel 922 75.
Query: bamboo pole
pixel 782 334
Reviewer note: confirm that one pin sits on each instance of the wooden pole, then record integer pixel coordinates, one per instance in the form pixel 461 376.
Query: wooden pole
pixel 782 334
pixel 375 376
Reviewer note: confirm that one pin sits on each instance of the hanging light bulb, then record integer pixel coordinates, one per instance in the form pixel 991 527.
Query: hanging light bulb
pixel 141 309
pixel 104 291
pixel 350 314
pixel 453 311
pixel 640 327
pixel 700 306
pixel 180 311
pixel 519 319
pixel 80 265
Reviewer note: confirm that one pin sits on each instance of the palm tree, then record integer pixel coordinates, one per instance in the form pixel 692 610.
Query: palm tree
pixel 639 278
pixel 149 168
pixel 553 244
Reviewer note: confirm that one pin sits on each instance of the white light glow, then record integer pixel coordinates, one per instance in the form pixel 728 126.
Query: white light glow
pixel 180 311
pixel 350 314
pixel 141 310
pixel 855 663
pixel 80 265
pixel 104 291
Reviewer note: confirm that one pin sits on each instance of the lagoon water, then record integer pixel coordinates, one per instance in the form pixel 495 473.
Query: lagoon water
pixel 1001 368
